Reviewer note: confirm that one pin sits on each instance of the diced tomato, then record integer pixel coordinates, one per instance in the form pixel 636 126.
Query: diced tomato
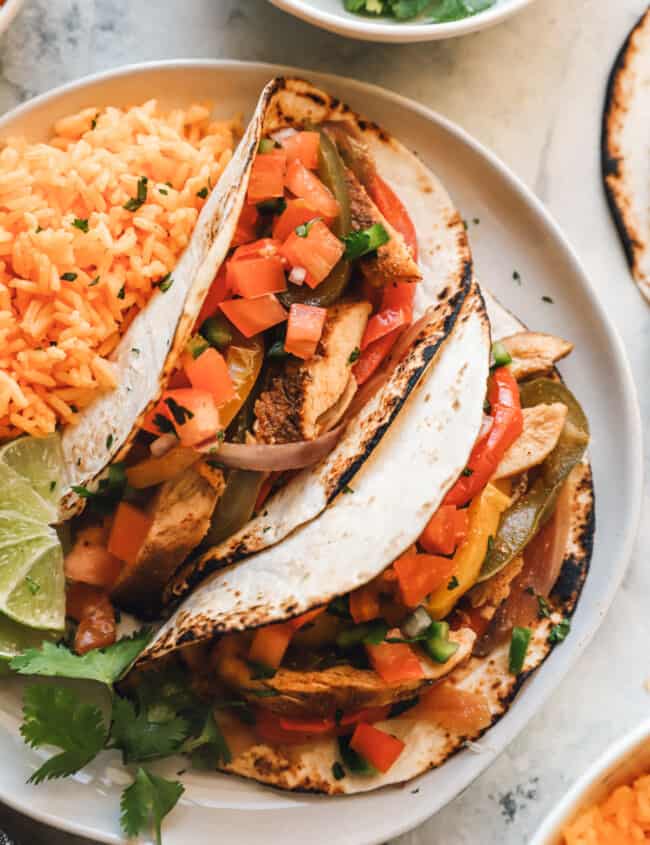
pixel 418 575
pixel 307 726
pixel 92 565
pixel 370 715
pixel 252 316
pixel 217 293
pixel 304 329
pixel 96 629
pixel 364 604
pixel 507 425
pixel 177 380
pixel 81 598
pixel 379 748
pixel 128 532
pixel 295 214
pixel 262 248
pixel 372 356
pixel 383 323
pixel 304 146
pixel 454 709
pixel 255 277
pixel 304 184
pixel 246 225
pixel 317 252
pixel 270 644
pixel 395 662
pixel 269 729
pixel 159 410
pixel 193 414
pixel 439 536
pixel 399 295
pixel 394 211
pixel 210 372
pixel 267 176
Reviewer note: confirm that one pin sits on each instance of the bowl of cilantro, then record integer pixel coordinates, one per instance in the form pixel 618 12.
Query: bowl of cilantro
pixel 401 21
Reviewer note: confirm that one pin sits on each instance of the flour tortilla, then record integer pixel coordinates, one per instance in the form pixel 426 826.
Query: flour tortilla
pixel 357 536
pixel 626 149
pixel 445 262
pixel 149 350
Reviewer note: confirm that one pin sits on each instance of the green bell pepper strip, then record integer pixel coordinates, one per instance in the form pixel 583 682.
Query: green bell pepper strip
pixel 522 520
pixel 518 649
pixel 332 173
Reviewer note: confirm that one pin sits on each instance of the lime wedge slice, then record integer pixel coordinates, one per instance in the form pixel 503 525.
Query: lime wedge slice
pixel 39 460
pixel 18 498
pixel 32 583
pixel 15 638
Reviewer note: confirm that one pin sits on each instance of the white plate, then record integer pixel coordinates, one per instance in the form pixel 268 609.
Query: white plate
pixel 8 12
pixel 625 760
pixel 515 233
pixel 331 15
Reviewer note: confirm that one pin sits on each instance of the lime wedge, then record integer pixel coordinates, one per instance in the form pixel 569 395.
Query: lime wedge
pixel 15 638
pixel 39 460
pixel 32 582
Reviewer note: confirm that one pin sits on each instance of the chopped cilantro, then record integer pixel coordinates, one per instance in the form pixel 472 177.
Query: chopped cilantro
pixel 365 241
pixel 543 608
pixel 347 489
pixel 559 632
pixel 94 282
pixel 121 293
pixel 453 583
pixel 202 194
pixel 80 223
pixel 134 203
pixel 68 277
pixel 52 486
pixel 146 803
pixel 109 441
pixel 516 276
pixel 338 771
pixel 354 355
pixel 303 230
pixel 467 472
pixel 34 586
pixel 260 670
pixel 165 283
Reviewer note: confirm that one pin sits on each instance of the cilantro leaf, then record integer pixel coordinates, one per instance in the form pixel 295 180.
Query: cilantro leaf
pixel 105 665
pixel 365 241
pixel 209 748
pixel 141 737
pixel 55 716
pixel 146 803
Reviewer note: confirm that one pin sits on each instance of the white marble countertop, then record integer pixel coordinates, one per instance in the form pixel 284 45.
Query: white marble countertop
pixel 532 90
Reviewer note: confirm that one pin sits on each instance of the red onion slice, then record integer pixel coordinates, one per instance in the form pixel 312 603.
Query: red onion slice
pixel 276 457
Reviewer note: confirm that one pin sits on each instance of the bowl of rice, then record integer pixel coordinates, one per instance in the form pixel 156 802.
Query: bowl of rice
pixel 93 220
pixel 610 804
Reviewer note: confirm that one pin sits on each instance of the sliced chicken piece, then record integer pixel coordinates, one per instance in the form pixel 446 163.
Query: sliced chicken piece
pixel 181 513
pixel 301 694
pixel 293 408
pixel 393 261
pixel 534 353
pixel 491 593
pixel 543 425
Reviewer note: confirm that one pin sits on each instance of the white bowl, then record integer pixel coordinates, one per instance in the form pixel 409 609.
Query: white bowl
pixel 331 15
pixel 620 764
pixel 8 12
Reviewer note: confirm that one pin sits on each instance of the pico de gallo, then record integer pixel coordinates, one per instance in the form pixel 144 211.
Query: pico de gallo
pixel 316 288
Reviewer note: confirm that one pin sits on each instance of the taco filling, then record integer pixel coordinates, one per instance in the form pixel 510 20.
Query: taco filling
pixel 353 678
pixel 316 288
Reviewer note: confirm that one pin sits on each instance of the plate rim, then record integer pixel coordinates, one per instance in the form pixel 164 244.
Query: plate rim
pixel 515 719
pixel 367 29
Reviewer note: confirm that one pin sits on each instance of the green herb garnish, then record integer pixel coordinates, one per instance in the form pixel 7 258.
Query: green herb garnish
pixel 354 355
pixel 202 194
pixel 134 203
pixel 365 241
pixel 303 230
pixel 165 283
pixel 80 223
pixel 68 277
pixel 559 632
pixel 500 354
pixel 518 648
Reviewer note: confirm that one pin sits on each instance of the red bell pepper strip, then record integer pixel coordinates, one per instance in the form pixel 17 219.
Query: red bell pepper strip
pixel 380 749
pixel 373 355
pixel 383 323
pixel 445 531
pixel 507 425
pixel 394 211
pixel 216 295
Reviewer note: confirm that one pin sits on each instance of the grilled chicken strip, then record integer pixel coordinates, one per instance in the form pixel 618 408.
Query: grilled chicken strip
pixel 393 261
pixel 319 693
pixel 294 406
pixel 181 512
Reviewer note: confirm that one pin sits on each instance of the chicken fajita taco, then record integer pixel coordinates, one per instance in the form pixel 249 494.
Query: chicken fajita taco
pixel 376 640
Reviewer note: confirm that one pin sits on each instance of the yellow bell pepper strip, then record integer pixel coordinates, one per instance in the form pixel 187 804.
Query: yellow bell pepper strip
pixel 484 514
pixel 152 471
